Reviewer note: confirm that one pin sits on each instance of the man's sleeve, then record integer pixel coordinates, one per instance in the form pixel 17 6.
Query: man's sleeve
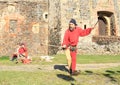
pixel 66 39
pixel 84 32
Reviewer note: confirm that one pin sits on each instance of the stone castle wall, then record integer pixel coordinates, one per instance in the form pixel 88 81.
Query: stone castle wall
pixel 85 13
pixel 24 21
pixel 42 23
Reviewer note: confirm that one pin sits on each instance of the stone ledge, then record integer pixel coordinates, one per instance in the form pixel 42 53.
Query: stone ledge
pixel 106 39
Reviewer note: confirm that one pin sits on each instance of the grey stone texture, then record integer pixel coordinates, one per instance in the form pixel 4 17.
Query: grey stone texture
pixel 41 24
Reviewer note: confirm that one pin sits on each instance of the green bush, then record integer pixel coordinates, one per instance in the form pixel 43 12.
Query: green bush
pixel 4 58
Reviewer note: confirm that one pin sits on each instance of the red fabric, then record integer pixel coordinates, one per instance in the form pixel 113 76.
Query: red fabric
pixel 72 37
pixel 26 61
pixel 23 51
pixel 73 57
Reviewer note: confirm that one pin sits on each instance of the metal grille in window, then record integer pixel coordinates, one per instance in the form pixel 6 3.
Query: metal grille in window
pixel 13 26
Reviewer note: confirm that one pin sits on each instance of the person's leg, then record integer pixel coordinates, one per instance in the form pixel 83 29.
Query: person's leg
pixel 15 58
pixel 73 55
pixel 74 71
pixel 67 52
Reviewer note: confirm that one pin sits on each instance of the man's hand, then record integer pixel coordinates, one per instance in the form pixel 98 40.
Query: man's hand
pixel 64 47
pixel 92 28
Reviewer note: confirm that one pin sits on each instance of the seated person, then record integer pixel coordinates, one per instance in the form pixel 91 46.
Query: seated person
pixel 22 54
pixel 22 51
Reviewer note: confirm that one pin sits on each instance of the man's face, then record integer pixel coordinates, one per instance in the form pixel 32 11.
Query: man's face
pixel 71 26
pixel 23 46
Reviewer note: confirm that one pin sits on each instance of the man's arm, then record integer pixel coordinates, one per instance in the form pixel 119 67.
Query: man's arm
pixel 85 32
pixel 65 43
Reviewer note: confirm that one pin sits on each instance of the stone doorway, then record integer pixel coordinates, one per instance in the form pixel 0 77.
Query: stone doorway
pixel 106 28
pixel 102 26
pixel 106 24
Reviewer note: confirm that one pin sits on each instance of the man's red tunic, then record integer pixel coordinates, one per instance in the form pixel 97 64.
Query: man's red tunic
pixel 71 37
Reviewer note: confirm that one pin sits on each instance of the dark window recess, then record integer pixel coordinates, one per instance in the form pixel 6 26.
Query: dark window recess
pixel 46 16
pixel 13 26
pixel 85 26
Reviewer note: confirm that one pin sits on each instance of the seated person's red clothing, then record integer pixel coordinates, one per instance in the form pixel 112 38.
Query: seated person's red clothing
pixel 23 52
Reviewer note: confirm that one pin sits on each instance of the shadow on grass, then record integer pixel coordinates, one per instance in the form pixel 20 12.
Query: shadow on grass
pixel 108 73
pixel 118 71
pixel 110 77
pixel 88 72
pixel 61 67
pixel 65 77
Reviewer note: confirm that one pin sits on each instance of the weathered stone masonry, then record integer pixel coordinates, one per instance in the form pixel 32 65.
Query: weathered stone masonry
pixel 41 23
pixel 24 21
pixel 104 39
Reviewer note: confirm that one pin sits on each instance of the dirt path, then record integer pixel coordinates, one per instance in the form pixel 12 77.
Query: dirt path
pixel 31 68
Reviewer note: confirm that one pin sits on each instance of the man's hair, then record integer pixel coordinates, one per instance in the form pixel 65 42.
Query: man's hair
pixel 21 44
pixel 73 21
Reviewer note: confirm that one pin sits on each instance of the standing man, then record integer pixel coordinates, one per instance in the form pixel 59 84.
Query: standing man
pixel 70 42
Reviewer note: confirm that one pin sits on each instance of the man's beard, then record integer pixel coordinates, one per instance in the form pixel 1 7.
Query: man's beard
pixel 71 28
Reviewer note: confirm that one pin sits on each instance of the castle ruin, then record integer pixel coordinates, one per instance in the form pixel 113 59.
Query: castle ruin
pixel 42 23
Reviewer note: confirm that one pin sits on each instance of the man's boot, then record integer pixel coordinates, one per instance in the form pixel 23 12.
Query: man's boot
pixel 75 73
pixel 70 71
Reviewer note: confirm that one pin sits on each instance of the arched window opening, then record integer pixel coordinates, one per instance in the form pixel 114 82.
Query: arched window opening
pixel 106 28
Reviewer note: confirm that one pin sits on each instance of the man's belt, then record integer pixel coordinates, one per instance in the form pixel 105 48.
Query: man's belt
pixel 73 48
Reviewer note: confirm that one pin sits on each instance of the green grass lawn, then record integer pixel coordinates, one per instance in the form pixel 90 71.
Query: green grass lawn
pixel 82 59
pixel 98 58
pixel 109 76
pixel 87 77
pixel 61 59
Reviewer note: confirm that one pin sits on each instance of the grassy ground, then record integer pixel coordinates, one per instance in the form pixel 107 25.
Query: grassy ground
pixel 86 59
pixel 87 77
pixel 108 76
pixel 61 59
